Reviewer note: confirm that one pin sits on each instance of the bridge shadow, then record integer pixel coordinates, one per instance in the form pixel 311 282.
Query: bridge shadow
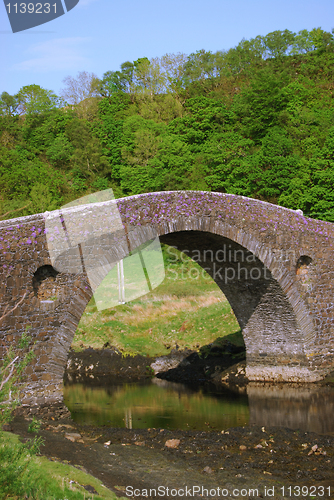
pixel 200 367
pixel 240 275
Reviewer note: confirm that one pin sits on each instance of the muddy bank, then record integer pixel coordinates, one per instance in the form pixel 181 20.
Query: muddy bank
pixel 186 366
pixel 252 457
pixel 92 364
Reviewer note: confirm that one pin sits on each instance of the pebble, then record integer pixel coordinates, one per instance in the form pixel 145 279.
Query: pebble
pixel 208 470
pixel 172 443
pixel 72 436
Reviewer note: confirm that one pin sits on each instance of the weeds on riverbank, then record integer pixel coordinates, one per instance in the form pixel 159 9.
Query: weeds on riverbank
pixel 187 310
pixel 22 473
pixel 25 475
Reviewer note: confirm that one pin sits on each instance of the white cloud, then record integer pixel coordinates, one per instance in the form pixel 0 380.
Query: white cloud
pixel 54 55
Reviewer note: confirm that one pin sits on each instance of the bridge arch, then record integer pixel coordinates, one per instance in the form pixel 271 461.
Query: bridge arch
pixel 287 325
pixel 270 323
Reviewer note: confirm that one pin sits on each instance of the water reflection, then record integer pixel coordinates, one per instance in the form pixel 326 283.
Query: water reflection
pixel 162 404
pixel 307 407
pixel 158 404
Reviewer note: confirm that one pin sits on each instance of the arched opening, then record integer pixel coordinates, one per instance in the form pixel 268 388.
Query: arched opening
pixel 188 324
pixel 263 310
pixel 44 283
pixel 186 311
pixel 260 306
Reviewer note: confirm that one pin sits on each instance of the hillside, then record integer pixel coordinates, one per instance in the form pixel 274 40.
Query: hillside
pixel 256 120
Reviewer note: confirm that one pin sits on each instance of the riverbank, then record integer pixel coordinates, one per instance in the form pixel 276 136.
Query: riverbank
pixel 251 457
pixel 256 459
pixel 179 365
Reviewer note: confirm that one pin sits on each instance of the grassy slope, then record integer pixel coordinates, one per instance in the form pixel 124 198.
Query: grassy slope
pixel 187 309
pixel 40 478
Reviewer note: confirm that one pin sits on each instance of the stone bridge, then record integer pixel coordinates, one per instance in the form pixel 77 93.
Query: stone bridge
pixel 274 265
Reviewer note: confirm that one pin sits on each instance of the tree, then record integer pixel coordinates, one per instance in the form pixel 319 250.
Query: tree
pixel 278 43
pixel 259 104
pixel 160 108
pixel 82 92
pixel 60 150
pixel 224 163
pixel 34 99
pixel 8 104
pixel 322 40
pixel 274 165
pixel 149 79
pixel 77 89
pixel 117 81
pixel 302 43
pixel 108 128
pixel 142 139
pixel 199 66
pixel 87 160
pixel 173 66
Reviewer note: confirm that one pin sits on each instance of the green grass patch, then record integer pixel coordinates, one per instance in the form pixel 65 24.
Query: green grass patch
pixel 187 309
pixel 23 474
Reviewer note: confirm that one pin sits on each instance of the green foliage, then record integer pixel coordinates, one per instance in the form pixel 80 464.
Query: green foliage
pixel 12 373
pixel 34 426
pixel 35 99
pixel 60 151
pixel 8 104
pixel 25 475
pixel 15 473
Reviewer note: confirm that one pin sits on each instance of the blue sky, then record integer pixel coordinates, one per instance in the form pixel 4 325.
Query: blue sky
pixel 99 35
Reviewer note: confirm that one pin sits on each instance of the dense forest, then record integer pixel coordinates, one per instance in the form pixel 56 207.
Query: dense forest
pixel 256 120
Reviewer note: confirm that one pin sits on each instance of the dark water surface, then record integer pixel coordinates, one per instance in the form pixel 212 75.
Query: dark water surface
pixel 168 405
pixel 156 403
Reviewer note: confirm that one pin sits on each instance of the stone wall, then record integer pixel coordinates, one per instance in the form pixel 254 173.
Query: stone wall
pixel 285 306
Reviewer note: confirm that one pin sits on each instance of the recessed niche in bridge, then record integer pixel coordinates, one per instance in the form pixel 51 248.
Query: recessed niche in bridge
pixel 44 283
pixel 303 265
pixel 305 271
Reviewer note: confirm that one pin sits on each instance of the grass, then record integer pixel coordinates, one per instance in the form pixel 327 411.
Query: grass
pixel 187 309
pixel 23 474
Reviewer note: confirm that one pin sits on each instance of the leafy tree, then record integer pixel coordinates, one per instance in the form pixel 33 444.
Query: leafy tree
pixel 203 117
pixel 322 40
pixel 224 160
pixel 173 67
pixel 199 66
pixel 34 99
pixel 108 128
pixel 8 104
pixel 60 150
pixel 87 159
pixel 149 79
pixel 117 81
pixel 278 43
pixel 141 138
pixel 259 105
pixel 273 166
pixel 160 108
